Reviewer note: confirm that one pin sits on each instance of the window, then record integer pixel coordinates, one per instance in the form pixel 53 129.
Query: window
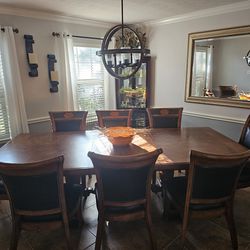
pixel 202 69
pixel 90 81
pixel 4 121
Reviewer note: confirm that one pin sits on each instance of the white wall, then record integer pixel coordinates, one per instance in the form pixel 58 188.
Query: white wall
pixel 168 45
pixel 38 99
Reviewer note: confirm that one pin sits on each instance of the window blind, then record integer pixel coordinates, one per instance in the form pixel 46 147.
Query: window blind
pixel 4 121
pixel 90 81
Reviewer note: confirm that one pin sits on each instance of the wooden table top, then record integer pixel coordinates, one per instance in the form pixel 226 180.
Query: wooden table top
pixel 176 145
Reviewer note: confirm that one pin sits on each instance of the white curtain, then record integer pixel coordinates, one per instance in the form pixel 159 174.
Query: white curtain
pixel 65 58
pixel 13 84
pixel 109 87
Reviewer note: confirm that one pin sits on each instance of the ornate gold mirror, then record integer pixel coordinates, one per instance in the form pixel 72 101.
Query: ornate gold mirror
pixel 217 71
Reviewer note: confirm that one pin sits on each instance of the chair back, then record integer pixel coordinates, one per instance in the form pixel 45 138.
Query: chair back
pixel 63 121
pixel 164 117
pixel 213 178
pixel 35 189
pixel 124 180
pixel 245 134
pixel 114 118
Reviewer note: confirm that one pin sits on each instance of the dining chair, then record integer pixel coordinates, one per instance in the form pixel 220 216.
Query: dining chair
pixel 164 117
pixel 69 121
pixel 209 189
pixel 63 121
pixel 114 118
pixel 123 189
pixel 38 197
pixel 244 180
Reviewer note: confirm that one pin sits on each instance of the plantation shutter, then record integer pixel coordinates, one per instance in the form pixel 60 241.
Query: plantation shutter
pixel 90 81
pixel 4 121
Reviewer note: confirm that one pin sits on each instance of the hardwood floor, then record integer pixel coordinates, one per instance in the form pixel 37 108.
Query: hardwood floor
pixel 211 234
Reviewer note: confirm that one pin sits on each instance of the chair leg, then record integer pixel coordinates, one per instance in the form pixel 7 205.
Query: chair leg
pixel 150 231
pixel 15 234
pixel 79 212
pixel 231 225
pixel 99 234
pixel 66 231
pixel 166 201
pixel 184 228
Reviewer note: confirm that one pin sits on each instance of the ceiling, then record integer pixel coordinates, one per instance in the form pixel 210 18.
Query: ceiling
pixel 135 11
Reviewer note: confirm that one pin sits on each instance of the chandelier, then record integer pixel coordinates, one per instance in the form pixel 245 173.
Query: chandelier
pixel 122 50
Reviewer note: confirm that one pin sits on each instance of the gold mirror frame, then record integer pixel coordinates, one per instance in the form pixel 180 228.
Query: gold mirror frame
pixel 192 37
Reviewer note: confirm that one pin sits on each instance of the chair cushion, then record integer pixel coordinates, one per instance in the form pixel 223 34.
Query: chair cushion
pixel 65 126
pixel 165 122
pixel 119 210
pixel 177 189
pixel 73 192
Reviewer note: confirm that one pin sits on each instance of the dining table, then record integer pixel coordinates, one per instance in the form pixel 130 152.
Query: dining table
pixel 176 144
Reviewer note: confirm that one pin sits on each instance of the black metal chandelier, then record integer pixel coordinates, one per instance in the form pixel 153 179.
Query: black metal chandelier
pixel 123 59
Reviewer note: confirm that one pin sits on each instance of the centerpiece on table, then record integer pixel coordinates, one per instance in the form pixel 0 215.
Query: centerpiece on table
pixel 120 136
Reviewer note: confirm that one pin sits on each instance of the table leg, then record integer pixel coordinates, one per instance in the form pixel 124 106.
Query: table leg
pixel 167 176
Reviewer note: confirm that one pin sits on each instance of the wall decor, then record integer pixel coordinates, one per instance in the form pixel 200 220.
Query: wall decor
pixel 247 58
pixel 53 74
pixel 31 56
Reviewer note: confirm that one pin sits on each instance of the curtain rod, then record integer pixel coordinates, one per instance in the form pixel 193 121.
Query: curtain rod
pixel 84 37
pixel 15 30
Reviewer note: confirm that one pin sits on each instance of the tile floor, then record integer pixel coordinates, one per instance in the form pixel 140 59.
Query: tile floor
pixel 211 234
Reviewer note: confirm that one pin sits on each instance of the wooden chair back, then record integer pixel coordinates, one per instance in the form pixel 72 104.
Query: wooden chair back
pixel 244 180
pixel 63 121
pixel 212 179
pixel 245 134
pixel 123 189
pixel 114 118
pixel 36 195
pixel 164 117
pixel 124 179
pixel 211 185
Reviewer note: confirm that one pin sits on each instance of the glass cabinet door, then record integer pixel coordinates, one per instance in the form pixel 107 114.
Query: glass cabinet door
pixel 134 92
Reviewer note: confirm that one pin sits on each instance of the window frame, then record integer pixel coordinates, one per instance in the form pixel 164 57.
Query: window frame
pixel 91 118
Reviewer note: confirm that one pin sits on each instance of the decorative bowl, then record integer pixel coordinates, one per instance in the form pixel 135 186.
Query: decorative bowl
pixel 120 136
pixel 244 96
